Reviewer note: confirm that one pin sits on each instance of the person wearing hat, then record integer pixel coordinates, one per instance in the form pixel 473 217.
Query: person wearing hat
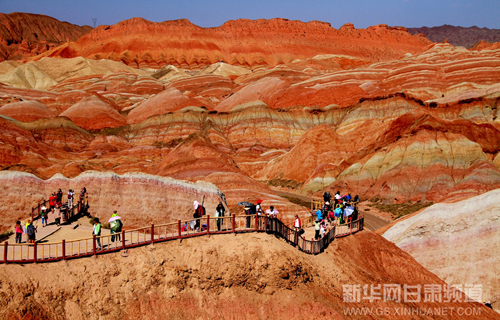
pixel 97 232
pixel 44 215
pixel 258 207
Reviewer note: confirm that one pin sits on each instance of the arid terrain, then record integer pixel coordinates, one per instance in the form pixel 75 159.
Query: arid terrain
pixel 152 116
pixel 245 276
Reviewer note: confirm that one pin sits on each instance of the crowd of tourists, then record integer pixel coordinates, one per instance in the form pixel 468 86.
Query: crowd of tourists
pixel 339 210
pixel 56 208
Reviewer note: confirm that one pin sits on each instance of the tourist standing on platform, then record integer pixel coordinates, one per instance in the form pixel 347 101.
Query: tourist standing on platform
pixel 59 196
pixel 71 195
pixel 198 212
pixel 44 215
pixel 272 213
pixel 19 232
pixel 31 231
pixel 323 228
pixel 337 198
pixel 248 212
pixel 316 229
pixel 297 223
pixel 220 210
pixel 115 225
pixel 97 232
pixel 52 200
pixel 57 215
pixel 258 208
pixel 26 224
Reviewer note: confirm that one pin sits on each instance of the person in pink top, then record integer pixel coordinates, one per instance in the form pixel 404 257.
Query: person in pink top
pixel 19 232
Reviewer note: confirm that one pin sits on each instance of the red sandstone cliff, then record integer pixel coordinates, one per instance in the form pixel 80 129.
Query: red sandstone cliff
pixel 24 35
pixel 251 43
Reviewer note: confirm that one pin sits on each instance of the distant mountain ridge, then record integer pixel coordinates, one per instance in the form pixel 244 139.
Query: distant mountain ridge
pixel 24 34
pixel 458 36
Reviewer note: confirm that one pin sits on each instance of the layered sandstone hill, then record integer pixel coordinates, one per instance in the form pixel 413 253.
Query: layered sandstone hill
pixel 24 35
pixel 246 276
pixel 47 72
pixel 278 125
pixel 250 43
pixel 456 241
pixel 325 122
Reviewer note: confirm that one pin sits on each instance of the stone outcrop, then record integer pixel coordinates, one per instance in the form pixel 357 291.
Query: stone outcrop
pixel 456 241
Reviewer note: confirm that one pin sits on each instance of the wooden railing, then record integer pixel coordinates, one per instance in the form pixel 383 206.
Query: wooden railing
pixel 64 250
pixel 70 213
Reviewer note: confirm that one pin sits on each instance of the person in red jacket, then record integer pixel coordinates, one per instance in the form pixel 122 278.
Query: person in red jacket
pixel 52 201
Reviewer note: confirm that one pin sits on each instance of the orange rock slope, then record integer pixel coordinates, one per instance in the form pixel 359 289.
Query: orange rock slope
pixel 251 43
pixel 417 123
pixel 24 35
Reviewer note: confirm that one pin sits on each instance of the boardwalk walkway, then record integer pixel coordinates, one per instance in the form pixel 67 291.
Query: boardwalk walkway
pixel 58 243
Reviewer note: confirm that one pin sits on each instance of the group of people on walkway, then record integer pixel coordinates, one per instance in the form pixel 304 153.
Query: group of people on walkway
pixel 341 210
pixel 55 208
pixel 29 229
pixel 115 226
pixel 258 210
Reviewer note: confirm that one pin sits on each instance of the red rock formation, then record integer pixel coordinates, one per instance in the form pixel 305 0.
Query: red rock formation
pixel 26 111
pixel 141 43
pixel 24 35
pixel 92 113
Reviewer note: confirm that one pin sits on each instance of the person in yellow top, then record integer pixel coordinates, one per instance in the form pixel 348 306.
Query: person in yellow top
pixel 116 226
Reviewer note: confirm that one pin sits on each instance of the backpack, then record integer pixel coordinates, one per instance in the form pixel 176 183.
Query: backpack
pixel 30 230
pixel 200 211
pixel 116 225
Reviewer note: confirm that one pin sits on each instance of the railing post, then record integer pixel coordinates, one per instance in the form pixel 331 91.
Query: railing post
pixel 123 240
pixel 234 223
pixel 6 244
pixel 35 251
pixel 208 224
pixel 265 223
pixel 93 244
pixel 256 221
pixel 350 226
pixel 296 238
pixel 32 210
pixel 63 249
pixel 152 233
pixel 179 227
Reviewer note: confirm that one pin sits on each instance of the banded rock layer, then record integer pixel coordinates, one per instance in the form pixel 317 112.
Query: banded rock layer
pixel 250 43
pixel 456 241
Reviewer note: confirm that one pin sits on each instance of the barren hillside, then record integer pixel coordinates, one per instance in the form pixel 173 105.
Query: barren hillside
pixel 225 276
